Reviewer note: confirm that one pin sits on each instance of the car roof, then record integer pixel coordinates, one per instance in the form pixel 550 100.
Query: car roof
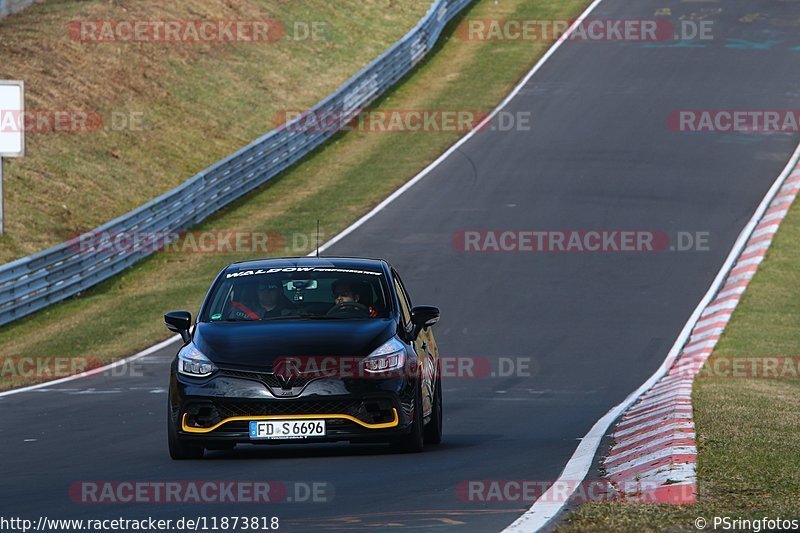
pixel 287 262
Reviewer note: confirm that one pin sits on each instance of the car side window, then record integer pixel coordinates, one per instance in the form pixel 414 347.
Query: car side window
pixel 405 305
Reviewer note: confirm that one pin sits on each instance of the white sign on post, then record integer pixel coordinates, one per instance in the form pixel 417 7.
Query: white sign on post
pixel 12 129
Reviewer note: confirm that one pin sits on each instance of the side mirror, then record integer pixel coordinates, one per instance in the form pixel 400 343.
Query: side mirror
pixel 424 316
pixel 179 322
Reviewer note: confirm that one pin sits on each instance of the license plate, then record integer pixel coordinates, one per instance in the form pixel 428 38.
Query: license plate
pixel 287 429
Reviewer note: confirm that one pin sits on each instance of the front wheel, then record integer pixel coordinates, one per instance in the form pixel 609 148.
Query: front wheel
pixel 415 440
pixel 179 449
pixel 433 431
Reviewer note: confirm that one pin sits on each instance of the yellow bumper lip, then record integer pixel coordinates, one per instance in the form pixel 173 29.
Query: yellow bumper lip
pixel 383 425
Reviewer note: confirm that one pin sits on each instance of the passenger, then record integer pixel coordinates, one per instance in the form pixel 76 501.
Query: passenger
pixel 272 302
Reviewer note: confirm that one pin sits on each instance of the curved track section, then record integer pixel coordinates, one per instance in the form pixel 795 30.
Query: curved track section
pixel 599 155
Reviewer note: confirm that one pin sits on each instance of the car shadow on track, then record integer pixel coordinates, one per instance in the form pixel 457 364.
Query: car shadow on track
pixel 306 451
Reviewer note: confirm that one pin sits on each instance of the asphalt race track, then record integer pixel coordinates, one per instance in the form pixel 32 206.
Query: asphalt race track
pixel 599 155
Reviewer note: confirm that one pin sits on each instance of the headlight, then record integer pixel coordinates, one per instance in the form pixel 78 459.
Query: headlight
pixel 390 355
pixel 192 362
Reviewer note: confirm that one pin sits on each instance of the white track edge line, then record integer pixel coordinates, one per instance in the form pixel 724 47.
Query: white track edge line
pixel 94 371
pixel 542 511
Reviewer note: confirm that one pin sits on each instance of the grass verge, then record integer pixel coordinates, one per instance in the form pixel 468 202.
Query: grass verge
pixel 168 109
pixel 748 452
pixel 341 182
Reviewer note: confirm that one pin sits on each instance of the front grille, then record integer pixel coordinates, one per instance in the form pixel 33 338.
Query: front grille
pixel 228 410
pixel 209 413
pixel 268 378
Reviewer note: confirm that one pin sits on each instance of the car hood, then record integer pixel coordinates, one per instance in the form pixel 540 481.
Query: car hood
pixel 257 345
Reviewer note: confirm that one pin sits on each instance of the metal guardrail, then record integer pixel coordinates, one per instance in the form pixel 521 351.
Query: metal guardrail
pixel 34 282
pixel 7 7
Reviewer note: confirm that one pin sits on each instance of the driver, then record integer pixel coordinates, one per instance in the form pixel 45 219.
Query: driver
pixel 343 293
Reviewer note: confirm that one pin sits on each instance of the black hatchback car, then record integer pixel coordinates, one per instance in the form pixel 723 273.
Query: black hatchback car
pixel 305 350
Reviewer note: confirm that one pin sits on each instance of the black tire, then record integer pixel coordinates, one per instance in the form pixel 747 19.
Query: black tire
pixel 180 450
pixel 414 442
pixel 433 431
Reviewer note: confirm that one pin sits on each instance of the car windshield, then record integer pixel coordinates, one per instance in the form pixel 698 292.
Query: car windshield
pixel 298 293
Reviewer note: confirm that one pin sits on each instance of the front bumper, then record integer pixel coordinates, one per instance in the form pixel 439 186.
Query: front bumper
pixel 357 410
